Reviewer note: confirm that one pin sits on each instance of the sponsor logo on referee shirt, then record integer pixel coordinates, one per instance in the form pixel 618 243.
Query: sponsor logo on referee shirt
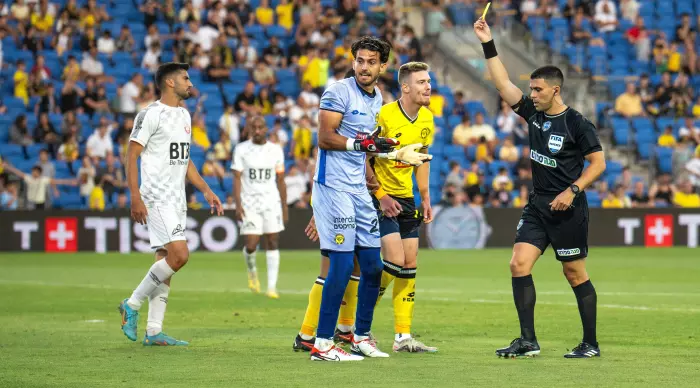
pixel 568 252
pixel 543 160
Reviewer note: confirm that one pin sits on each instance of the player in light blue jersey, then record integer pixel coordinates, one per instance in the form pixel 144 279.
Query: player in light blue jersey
pixel 345 218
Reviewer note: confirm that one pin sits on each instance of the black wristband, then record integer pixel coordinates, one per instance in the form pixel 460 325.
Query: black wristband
pixel 489 49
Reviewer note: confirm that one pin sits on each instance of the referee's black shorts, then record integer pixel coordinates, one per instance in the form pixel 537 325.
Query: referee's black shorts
pixel 407 223
pixel 566 230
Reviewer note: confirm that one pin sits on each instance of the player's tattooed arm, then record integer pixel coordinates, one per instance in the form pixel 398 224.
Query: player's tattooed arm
pixel 198 182
pixel 138 208
pixel 510 93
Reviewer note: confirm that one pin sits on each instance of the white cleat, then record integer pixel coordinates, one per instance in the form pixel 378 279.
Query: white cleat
pixel 366 346
pixel 412 345
pixel 333 353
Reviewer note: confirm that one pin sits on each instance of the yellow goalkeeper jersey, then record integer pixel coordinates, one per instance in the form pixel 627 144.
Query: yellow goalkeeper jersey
pixel 396 178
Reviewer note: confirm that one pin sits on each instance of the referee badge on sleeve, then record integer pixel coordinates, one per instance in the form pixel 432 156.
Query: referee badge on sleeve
pixel 555 143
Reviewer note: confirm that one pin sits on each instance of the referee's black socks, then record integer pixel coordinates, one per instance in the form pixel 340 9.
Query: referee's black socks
pixel 525 297
pixel 587 301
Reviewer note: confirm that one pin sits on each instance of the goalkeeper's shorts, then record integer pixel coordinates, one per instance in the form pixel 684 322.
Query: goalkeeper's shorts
pixel 407 223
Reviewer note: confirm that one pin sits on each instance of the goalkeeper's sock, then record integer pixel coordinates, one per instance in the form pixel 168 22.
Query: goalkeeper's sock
pixel 348 307
pixel 273 269
pixel 371 267
pixel 157 303
pixel 404 295
pixel 587 300
pixel 525 297
pixel 388 275
pixel 341 265
pixel 308 327
pixel 250 260
pixel 159 272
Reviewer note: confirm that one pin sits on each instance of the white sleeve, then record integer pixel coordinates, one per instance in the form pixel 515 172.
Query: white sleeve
pixel 145 125
pixel 237 164
pixel 279 160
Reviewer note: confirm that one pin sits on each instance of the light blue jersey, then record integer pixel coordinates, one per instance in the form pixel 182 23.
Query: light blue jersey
pixel 345 170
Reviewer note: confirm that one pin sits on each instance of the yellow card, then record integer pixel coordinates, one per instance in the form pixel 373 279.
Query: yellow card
pixel 483 16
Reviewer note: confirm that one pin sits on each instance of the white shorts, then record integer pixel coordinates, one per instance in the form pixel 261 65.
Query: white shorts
pixel 165 225
pixel 262 222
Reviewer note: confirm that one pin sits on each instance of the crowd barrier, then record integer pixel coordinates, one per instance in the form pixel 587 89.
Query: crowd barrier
pixel 452 228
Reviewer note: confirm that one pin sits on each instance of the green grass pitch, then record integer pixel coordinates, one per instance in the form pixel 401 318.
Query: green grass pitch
pixel 59 326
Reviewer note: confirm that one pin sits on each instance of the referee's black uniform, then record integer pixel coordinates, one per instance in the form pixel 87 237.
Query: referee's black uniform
pixel 558 146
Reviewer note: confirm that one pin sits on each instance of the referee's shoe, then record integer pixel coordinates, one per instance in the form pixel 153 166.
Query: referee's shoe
pixel 520 347
pixel 584 350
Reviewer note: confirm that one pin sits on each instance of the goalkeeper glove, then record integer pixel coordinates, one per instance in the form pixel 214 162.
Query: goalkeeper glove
pixel 408 155
pixel 370 142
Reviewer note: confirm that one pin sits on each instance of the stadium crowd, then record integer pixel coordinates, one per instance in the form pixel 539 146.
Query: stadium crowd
pixel 75 73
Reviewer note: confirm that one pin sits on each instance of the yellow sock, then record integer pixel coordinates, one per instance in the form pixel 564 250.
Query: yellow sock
pixel 346 316
pixel 388 276
pixel 312 310
pixel 404 294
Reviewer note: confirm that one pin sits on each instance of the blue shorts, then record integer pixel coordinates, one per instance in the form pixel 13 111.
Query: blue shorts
pixel 344 220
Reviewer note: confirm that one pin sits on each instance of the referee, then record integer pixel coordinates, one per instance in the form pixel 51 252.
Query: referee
pixel 557 213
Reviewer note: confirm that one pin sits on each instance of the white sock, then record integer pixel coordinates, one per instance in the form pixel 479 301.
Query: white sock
pixel 273 269
pixel 157 302
pixel 401 336
pixel 159 272
pixel 344 328
pixel 305 337
pixel 250 260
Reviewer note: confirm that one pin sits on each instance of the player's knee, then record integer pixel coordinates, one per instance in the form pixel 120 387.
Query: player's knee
pixel 370 262
pixel 574 275
pixel 273 242
pixel 520 265
pixel 177 258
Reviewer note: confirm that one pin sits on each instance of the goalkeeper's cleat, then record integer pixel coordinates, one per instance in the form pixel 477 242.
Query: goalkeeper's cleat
pixel 583 350
pixel 331 352
pixel 253 282
pixel 344 337
pixel 412 345
pixel 520 347
pixel 366 347
pixel 130 319
pixel 162 339
pixel 272 294
pixel 302 345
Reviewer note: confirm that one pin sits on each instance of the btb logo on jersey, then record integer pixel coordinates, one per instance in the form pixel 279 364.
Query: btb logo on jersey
pixel 555 144
pixel 179 154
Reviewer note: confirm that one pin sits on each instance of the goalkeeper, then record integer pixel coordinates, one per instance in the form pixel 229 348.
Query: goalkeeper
pixel 411 122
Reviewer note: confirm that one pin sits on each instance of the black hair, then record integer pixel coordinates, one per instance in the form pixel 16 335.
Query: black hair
pixel 551 74
pixel 350 74
pixel 372 43
pixel 167 69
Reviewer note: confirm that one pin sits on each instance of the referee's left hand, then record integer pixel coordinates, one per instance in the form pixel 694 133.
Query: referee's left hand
pixel 562 201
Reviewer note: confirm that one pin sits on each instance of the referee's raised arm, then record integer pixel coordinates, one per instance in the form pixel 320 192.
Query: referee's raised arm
pixel 508 91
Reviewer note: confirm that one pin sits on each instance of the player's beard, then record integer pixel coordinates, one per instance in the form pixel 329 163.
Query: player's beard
pixel 185 94
pixel 372 82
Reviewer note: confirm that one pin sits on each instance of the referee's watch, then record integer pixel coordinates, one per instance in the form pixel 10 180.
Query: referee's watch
pixel 575 189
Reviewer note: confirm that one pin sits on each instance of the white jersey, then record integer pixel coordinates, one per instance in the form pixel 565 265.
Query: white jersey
pixel 165 133
pixel 259 165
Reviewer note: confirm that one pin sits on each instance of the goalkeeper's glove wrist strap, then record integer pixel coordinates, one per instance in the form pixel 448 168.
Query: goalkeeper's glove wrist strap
pixel 350 145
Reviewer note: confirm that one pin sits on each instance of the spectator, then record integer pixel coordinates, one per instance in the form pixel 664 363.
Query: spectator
pixel 193 203
pixel 201 59
pixel 523 197
pixel 86 178
pixel 263 74
pixel 202 35
pixel 19 132
pixel 302 141
pixel 667 139
pixel 508 152
pixel 296 188
pixel 37 185
pixel 153 36
pixel 111 178
pixel 639 197
pixel 151 59
pixel 437 103
pixel 130 95
pixel 96 200
pixel 230 123
pixel 481 129
pixel 70 96
pixel 690 129
pixel 524 179
pixel 188 13
pixel 122 202
pixel 282 136
pixel 617 199
pixel 502 181
pixel 528 8
pixel 459 108
pixel 21 79
pixel 46 133
pixel 216 71
pixel 664 90
pixel 246 55
pixel 96 101
pixel 506 119
pixel 264 15
pixel 480 188
pixel 69 120
pixel 68 151
pixel 199 133
pixel 454 177
pixel 693 169
pixel 9 198
pixel 43 21
pixel 72 70
pixel 106 45
pixel 685 197
pixel 126 42
pixel 48 102
pixel 629 104
pixel 99 144
pixel 629 9
pixel 223 148
pixel 580 35
pixel 212 169
pixel 273 54
pixel 521 134
pixel 230 203
pixel 625 179
pixel 245 101
pixel 661 191
pixel 646 92
pixel 63 42
pixel 462 133
pixel 263 101
pixel 524 161
pixel 605 16
pixel 638 36
pixel 308 101
pixel 285 14
pixel 224 51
